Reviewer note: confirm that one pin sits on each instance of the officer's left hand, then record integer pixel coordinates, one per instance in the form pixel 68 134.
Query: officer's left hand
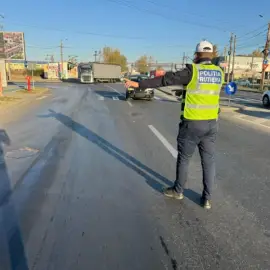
pixel 129 83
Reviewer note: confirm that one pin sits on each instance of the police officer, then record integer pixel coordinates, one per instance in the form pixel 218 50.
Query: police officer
pixel 198 126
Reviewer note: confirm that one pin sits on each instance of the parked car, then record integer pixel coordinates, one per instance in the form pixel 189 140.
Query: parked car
pixel 136 93
pixel 266 99
pixel 245 83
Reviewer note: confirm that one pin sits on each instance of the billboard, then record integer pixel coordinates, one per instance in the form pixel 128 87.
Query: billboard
pixel 12 45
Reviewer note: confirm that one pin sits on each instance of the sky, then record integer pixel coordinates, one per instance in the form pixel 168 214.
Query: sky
pixel 161 29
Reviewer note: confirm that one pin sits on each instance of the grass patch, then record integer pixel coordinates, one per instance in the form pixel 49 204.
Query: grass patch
pixel 37 90
pixel 5 100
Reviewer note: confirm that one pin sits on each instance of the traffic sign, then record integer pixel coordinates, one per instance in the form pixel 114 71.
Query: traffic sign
pixel 31 66
pixel 231 88
pixel 265 66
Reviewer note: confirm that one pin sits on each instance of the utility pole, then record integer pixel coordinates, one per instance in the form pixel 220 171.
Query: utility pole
pixel 233 61
pixel 95 55
pixel 252 61
pixel 99 56
pixel 265 56
pixel 184 59
pixel 225 57
pixel 230 54
pixel 62 58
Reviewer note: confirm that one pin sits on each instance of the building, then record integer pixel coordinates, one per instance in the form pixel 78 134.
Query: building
pixel 244 66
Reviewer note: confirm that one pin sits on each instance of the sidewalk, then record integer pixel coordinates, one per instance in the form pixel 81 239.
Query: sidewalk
pixel 14 100
pixel 12 88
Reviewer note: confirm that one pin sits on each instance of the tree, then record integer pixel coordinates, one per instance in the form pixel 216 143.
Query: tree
pixel 215 51
pixel 142 64
pixel 114 56
pixel 257 53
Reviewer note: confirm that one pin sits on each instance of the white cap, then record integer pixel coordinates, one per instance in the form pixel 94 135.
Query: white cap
pixel 204 46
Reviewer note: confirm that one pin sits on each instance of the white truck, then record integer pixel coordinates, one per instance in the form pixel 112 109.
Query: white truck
pixel 98 72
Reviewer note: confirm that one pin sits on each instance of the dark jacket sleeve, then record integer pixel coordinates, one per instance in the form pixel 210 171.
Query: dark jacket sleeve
pixel 182 77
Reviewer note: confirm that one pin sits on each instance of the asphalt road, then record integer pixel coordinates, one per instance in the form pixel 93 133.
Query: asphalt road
pixel 81 180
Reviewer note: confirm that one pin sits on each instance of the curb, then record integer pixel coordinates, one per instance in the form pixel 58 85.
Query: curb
pixel 224 108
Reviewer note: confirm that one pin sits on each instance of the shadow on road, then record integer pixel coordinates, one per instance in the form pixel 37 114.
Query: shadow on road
pixel 258 114
pixel 12 254
pixel 71 80
pixel 120 155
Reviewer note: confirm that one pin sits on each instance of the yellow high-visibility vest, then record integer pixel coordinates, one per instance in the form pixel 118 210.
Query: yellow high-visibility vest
pixel 202 93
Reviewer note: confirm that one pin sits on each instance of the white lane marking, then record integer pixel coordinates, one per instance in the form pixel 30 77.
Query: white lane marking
pixel 157 98
pixel 115 90
pixel 41 97
pixel 241 99
pixel 247 99
pixel 169 147
pixel 115 98
pixel 129 103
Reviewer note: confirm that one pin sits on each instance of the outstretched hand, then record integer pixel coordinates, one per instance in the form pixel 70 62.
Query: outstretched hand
pixel 129 83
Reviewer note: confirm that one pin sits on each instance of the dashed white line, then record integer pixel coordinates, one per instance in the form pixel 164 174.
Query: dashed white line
pixel 169 147
pixel 129 103
pixel 157 98
pixel 115 90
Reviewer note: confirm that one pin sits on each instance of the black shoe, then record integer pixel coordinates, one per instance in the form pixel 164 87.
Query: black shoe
pixel 206 203
pixel 171 193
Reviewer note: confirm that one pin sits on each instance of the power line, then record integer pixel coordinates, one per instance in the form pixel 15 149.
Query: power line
pixel 262 33
pixel 77 32
pixel 182 12
pixel 252 31
pixel 132 6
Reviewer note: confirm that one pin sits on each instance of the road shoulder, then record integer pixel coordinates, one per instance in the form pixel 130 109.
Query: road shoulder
pixel 15 103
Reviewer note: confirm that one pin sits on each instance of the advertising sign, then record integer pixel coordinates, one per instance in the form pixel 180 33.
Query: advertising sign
pixel 53 70
pixel 12 45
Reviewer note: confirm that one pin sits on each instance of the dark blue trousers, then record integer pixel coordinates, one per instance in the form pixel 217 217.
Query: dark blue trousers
pixel 201 133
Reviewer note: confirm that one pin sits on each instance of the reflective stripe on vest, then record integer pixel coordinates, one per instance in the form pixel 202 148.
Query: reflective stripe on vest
pixel 202 93
pixel 203 107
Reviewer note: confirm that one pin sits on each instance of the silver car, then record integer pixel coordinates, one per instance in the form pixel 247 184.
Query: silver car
pixel 266 99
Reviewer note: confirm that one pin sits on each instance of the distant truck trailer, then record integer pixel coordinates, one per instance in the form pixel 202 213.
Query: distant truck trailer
pixel 98 72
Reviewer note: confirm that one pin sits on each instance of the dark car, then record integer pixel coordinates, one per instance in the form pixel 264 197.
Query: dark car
pixel 136 93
